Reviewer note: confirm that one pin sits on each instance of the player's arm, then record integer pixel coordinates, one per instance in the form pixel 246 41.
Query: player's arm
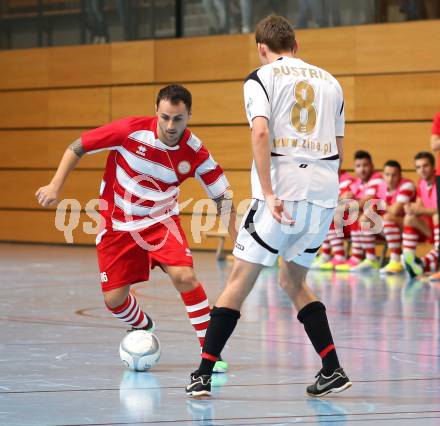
pixel 426 211
pixel 48 195
pixel 227 213
pixel 340 145
pixel 340 125
pixel 418 208
pixel 435 143
pixel 406 193
pixel 261 151
pixel 435 134
pixel 212 178
pixel 396 209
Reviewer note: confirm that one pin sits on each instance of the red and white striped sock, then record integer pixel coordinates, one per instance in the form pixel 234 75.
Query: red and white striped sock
pixel 326 250
pixel 197 306
pixel 130 313
pixel 357 250
pixel 430 261
pixel 337 244
pixel 410 239
pixel 394 241
pixel 369 244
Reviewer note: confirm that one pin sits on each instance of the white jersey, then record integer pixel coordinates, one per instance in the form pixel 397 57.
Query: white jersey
pixel 305 109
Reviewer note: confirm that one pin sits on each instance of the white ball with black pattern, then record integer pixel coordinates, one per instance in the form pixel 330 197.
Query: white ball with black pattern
pixel 140 350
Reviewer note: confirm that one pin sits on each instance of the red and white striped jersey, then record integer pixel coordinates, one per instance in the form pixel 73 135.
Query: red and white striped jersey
pixel 345 180
pixel 404 193
pixel 142 176
pixel 363 189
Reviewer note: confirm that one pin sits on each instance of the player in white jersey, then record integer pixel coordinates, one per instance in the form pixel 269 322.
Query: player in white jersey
pixel 296 113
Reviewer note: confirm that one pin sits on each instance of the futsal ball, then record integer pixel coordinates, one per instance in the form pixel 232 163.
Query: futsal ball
pixel 139 350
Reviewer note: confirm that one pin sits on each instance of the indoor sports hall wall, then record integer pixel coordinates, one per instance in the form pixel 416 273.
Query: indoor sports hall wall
pixel 390 74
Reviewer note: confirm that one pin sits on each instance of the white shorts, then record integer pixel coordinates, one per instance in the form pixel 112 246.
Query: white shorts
pixel 261 239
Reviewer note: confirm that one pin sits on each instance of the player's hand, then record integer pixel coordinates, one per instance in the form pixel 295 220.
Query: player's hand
pixel 411 208
pixel 278 211
pixel 47 196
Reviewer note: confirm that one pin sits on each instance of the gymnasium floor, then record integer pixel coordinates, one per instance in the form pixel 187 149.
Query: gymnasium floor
pixel 60 365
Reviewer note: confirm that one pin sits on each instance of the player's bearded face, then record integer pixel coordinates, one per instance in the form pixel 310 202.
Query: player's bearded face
pixel 424 168
pixel 172 121
pixel 363 168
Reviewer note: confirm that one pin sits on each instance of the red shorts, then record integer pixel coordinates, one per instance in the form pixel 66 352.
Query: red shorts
pixel 347 229
pixel 126 258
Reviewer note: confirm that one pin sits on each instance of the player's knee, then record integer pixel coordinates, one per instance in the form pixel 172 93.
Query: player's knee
pixel 185 281
pixel 435 219
pixel 387 217
pixel 409 220
pixel 291 282
pixel 117 297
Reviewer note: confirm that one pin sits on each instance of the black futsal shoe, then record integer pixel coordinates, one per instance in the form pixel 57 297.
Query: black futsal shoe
pixel 337 382
pixel 199 385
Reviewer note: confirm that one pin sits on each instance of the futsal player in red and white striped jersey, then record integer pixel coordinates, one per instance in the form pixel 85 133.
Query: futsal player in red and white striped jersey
pixel 149 157
pixel 396 192
pixel 421 219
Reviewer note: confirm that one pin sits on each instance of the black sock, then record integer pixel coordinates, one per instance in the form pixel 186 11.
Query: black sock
pixel 315 322
pixel 221 326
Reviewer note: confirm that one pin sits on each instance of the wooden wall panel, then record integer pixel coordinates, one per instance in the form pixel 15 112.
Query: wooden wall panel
pixel 18 187
pixel 202 59
pixel 369 49
pixel 332 49
pixel 45 148
pixel 54 108
pixel 348 87
pixel 24 109
pixel 24 68
pixel 386 141
pixel 135 100
pixel 229 145
pixel 217 103
pixel 401 47
pixel 132 62
pixel 411 175
pixel 39 226
pixel 79 107
pixel 87 65
pixel 397 97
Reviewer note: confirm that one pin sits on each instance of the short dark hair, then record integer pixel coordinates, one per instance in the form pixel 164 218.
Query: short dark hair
pixel 425 154
pixel 393 163
pixel 276 33
pixel 175 93
pixel 362 155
